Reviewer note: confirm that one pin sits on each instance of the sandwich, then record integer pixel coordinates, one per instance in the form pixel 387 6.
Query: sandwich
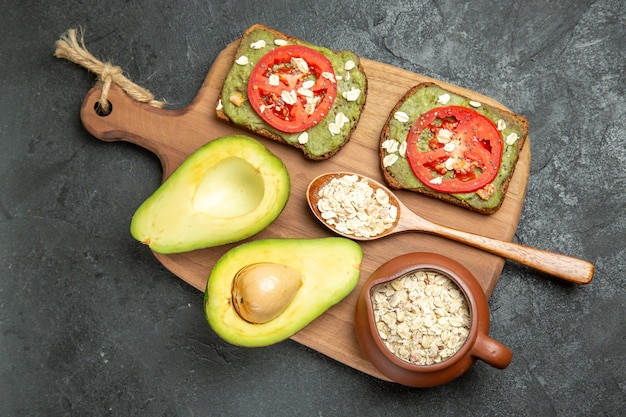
pixel 294 92
pixel 448 146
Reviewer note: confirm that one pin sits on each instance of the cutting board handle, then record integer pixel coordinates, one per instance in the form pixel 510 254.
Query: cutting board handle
pixel 157 130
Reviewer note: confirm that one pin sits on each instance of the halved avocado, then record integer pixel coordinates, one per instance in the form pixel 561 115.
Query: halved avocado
pixel 329 269
pixel 228 190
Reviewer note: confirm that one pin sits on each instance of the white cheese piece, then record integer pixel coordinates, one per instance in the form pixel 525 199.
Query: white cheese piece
pixel 444 135
pixel 436 180
pixel 305 92
pixel 352 95
pixel 511 138
pixel 390 145
pixel 220 106
pixel 401 116
pixel 474 103
pixel 274 80
pixel 242 60
pixel 301 64
pixel 390 159
pixel 501 125
pixel 311 104
pixel 334 128
pixel 280 42
pixel 303 138
pixel 289 97
pixel 340 121
pixel 402 149
pixel 260 44
pixel 443 99
pixel 349 65
pixel 329 76
pixel 449 164
pixel 341 118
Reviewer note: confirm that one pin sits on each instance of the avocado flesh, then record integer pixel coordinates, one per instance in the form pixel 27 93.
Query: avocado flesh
pixel 228 190
pixel 330 270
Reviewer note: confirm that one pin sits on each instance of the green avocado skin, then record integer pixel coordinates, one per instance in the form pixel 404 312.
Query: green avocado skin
pixel 321 142
pixel 172 221
pixel 425 99
pixel 329 268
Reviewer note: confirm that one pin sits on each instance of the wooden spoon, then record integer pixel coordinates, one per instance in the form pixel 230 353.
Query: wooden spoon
pixel 565 267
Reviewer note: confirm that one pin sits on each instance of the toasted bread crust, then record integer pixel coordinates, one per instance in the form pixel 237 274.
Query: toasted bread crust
pixel 275 137
pixel 396 183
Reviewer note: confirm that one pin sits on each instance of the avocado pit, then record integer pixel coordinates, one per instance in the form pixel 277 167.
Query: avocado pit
pixel 262 291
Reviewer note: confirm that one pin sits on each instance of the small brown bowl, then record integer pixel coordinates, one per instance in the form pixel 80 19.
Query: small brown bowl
pixel 477 345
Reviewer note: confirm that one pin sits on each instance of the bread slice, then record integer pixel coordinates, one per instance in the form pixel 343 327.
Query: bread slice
pixel 233 104
pixel 424 97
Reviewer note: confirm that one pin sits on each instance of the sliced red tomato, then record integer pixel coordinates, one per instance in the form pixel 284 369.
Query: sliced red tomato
pixel 454 149
pixel 292 88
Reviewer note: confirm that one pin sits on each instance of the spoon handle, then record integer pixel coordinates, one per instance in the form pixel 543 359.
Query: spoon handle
pixel 562 266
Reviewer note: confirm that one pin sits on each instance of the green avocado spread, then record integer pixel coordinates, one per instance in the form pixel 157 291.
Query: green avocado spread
pixel 427 98
pixel 321 141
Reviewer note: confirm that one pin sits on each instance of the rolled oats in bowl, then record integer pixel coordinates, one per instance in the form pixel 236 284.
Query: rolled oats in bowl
pixel 422 317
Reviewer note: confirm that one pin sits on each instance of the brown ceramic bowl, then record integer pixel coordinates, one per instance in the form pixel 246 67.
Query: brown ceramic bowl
pixel 477 345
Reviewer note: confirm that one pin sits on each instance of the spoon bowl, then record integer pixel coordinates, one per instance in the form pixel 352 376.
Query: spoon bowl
pixel 561 266
pixel 316 187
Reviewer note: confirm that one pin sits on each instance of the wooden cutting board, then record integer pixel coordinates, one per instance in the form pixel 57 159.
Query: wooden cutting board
pixel 174 134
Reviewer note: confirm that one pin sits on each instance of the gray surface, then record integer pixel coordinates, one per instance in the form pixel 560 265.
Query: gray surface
pixel 91 324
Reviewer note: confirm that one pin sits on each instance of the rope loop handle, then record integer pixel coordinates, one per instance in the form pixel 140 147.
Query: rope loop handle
pixel 71 46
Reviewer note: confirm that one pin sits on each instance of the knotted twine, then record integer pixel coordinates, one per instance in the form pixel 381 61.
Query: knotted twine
pixel 70 47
